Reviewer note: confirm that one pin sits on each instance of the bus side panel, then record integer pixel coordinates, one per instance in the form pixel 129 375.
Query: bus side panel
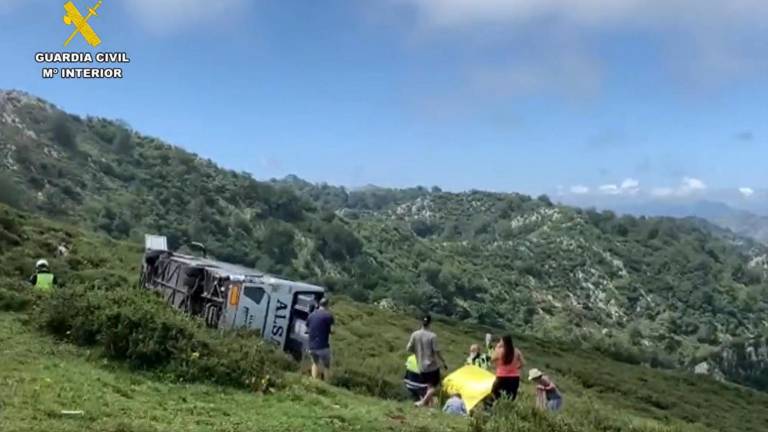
pixel 253 308
pixel 278 315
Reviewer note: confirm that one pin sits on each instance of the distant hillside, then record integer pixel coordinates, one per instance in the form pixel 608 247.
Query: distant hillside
pixel 656 290
pixel 744 361
pixel 741 222
pixel 746 224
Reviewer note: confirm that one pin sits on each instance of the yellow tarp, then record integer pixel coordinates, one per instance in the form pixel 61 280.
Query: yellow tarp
pixel 472 382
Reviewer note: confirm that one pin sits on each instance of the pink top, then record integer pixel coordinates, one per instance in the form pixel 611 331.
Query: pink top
pixel 510 370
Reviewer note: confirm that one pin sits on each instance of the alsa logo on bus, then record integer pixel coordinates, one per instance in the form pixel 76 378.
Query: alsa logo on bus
pixel 278 323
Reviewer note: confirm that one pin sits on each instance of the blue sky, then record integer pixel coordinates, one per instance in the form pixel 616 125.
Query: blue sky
pixel 590 97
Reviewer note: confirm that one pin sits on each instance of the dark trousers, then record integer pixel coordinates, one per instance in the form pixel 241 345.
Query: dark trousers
pixel 505 387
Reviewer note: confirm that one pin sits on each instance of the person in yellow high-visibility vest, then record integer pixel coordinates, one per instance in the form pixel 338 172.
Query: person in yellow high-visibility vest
pixel 412 379
pixel 43 279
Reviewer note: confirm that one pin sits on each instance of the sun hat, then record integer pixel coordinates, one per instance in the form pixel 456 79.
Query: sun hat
pixel 533 374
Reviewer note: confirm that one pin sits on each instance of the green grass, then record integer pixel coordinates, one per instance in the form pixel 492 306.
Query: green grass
pixel 374 340
pixel 40 376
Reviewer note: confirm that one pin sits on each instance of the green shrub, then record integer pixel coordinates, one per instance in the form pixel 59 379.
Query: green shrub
pixel 370 383
pixel 136 327
pixel 13 301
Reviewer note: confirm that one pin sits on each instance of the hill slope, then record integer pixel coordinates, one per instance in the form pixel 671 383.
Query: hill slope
pixel 43 376
pixel 673 288
pixel 746 224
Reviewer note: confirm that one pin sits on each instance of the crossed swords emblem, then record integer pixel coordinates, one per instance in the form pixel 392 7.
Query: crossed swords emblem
pixel 73 17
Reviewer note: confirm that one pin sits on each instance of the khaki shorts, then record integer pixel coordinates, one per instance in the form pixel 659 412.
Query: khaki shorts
pixel 321 357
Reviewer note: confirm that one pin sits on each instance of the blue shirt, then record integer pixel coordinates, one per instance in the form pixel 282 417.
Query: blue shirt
pixel 319 325
pixel 456 406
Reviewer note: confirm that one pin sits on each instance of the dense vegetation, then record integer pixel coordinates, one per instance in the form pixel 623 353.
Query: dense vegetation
pixel 651 290
pixel 139 374
pixel 743 361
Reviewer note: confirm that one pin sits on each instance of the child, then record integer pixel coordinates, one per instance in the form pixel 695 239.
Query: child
pixel 548 397
pixel 455 405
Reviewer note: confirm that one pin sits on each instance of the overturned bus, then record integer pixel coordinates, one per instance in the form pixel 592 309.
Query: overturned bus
pixel 229 296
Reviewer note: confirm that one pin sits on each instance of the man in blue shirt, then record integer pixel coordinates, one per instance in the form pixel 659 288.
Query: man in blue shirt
pixel 320 327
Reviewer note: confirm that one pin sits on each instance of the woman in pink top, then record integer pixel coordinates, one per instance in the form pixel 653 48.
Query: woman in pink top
pixel 509 362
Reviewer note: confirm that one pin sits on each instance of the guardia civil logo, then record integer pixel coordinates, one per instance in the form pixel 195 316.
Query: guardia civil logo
pixel 84 64
pixel 74 18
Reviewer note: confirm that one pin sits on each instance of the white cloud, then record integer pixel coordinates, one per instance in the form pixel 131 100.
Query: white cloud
pixel 688 186
pixel 629 186
pixel 589 13
pixel 699 45
pixel 663 192
pixel 455 12
pixel 579 189
pixel 167 16
pixel 609 189
pixel 746 192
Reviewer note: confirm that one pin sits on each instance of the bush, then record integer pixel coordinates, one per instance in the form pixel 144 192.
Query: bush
pixel 13 301
pixel 10 192
pixel 62 131
pixel 136 327
pixel 337 243
pixel 369 383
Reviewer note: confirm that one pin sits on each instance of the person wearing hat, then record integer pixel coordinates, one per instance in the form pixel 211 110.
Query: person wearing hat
pixel 423 344
pixel 548 397
pixel 43 280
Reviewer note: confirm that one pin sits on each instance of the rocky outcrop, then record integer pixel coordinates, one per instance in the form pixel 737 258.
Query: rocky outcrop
pixel 744 362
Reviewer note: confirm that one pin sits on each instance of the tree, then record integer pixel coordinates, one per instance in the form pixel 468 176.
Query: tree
pixel 62 131
pixel 123 142
pixel 10 193
pixel 286 205
pixel 277 243
pixel 422 228
pixel 708 334
pixel 336 242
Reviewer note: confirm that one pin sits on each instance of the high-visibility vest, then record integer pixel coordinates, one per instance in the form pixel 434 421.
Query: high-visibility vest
pixel 481 361
pixel 44 281
pixel 412 365
pixel 412 377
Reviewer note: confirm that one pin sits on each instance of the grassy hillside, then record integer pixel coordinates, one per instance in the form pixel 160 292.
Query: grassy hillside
pixel 43 376
pixel 653 290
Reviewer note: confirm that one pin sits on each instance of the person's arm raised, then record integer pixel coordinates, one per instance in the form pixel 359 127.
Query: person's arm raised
pixel 496 354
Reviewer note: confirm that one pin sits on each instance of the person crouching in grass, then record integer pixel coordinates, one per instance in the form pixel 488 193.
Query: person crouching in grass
pixel 548 397
pixel 455 405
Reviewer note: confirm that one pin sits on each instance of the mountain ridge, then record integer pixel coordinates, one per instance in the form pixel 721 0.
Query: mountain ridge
pixel 654 290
